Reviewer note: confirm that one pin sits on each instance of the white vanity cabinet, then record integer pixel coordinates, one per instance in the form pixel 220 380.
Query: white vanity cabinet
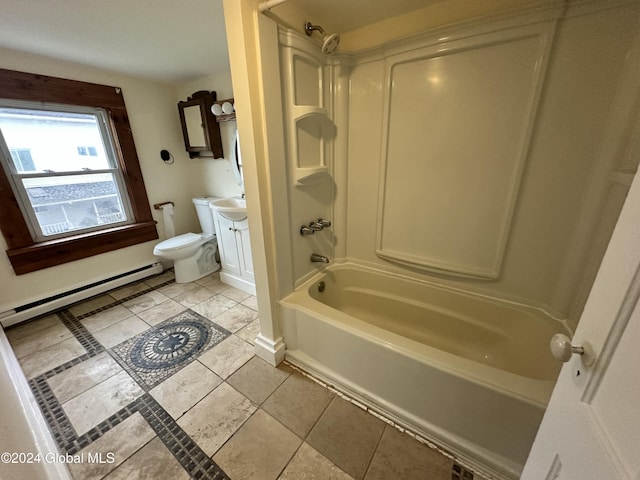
pixel 235 253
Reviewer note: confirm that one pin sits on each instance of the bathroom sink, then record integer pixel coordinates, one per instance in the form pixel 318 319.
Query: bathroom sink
pixel 233 208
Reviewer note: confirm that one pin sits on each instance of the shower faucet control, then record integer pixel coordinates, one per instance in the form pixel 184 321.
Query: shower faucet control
pixel 314 227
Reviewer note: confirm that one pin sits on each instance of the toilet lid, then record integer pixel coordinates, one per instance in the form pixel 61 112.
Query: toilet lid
pixel 181 241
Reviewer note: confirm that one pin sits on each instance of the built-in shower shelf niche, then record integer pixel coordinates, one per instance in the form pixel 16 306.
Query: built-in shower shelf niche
pixel 457 126
pixel 309 125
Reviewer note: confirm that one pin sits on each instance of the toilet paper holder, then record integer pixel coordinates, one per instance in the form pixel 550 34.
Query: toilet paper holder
pixel 158 206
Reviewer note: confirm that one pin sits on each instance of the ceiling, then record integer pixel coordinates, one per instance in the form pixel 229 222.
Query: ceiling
pixel 167 40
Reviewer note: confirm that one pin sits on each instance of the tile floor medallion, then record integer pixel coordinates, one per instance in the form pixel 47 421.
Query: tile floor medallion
pixel 153 356
pixel 164 377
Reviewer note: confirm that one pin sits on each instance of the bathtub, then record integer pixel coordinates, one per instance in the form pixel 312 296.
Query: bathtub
pixel 23 430
pixel 470 373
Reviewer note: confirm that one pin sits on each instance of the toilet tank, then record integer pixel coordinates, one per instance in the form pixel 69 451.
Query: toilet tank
pixel 205 214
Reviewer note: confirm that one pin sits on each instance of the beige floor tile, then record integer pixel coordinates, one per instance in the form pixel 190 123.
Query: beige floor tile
pixel 214 419
pixel 228 356
pixel 215 285
pixel 121 331
pixel 91 304
pixel 152 462
pixel 215 276
pixel 31 327
pixel 51 357
pixel 83 376
pixel 106 318
pixel 298 403
pixel 193 297
pixel 162 312
pixel 50 332
pixel 91 407
pixel 128 290
pixel 158 279
pixel 347 436
pixel 251 302
pixel 400 456
pixel 183 390
pixel 236 318
pixel 259 450
pixel 250 332
pixel 236 294
pixel 175 289
pixel 121 442
pixel 309 464
pixel 145 301
pixel 256 379
pixel 213 307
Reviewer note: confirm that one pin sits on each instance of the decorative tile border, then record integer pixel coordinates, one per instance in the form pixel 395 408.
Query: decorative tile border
pixel 89 343
pixel 184 449
pixel 122 300
pixel 458 472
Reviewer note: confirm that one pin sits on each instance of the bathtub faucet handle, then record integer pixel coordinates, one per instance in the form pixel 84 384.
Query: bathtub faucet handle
pixel 316 226
pixel 324 223
pixel 304 230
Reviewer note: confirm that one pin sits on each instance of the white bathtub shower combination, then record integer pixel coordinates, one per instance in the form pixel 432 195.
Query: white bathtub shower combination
pixel 472 373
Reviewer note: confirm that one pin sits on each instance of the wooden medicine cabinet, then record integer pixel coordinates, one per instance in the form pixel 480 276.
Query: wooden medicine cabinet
pixel 200 129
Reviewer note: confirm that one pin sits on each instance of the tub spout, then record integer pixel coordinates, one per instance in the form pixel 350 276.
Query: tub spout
pixel 319 258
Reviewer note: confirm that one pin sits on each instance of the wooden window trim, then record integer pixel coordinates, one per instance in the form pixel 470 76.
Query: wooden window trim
pixel 26 255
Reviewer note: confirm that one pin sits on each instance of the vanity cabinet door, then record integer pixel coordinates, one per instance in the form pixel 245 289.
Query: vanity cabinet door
pixel 244 250
pixel 227 244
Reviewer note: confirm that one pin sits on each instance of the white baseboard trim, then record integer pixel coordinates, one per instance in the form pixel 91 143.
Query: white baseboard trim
pixel 270 351
pixel 237 282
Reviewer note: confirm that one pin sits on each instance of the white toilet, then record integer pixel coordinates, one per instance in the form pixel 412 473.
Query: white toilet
pixel 193 254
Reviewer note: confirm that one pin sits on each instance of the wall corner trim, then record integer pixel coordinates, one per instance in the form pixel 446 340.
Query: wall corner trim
pixel 271 351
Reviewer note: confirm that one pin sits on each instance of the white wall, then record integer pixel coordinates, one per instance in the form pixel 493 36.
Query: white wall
pixel 584 72
pixel 155 123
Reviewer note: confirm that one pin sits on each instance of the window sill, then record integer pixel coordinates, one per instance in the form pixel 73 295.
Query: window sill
pixel 63 250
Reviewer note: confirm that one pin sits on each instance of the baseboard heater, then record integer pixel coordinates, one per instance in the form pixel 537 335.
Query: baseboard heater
pixel 59 300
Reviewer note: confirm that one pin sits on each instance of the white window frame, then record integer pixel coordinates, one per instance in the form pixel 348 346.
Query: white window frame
pixel 16 177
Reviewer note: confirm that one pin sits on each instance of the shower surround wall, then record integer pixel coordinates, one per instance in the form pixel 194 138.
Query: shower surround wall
pixel 575 154
pixel 545 255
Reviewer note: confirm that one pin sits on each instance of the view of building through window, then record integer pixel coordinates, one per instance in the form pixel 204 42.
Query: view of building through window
pixel 63 168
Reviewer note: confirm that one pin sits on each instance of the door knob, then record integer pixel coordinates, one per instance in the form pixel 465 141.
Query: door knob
pixel 561 349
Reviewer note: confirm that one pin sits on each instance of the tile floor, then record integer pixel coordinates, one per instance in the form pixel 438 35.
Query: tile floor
pixel 160 380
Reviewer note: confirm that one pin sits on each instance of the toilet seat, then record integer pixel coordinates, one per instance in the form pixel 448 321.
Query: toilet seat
pixel 181 241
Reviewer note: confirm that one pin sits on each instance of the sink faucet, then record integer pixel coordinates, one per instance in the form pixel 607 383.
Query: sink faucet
pixel 319 258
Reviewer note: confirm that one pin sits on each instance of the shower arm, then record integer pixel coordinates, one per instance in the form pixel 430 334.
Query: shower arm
pixel 309 28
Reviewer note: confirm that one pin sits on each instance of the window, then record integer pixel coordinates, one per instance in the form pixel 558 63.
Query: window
pixel 22 159
pixel 70 177
pixel 60 192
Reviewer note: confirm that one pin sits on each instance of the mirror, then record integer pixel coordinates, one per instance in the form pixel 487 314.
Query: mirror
pixel 200 130
pixel 195 128
pixel 236 159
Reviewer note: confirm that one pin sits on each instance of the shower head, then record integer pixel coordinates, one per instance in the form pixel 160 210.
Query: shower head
pixel 329 42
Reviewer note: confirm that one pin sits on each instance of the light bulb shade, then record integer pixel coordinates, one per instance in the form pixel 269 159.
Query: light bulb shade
pixel 216 109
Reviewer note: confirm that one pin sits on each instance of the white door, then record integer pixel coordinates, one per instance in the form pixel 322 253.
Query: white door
pixel 591 430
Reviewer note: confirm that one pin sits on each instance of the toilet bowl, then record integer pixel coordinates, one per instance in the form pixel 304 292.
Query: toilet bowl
pixel 193 254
